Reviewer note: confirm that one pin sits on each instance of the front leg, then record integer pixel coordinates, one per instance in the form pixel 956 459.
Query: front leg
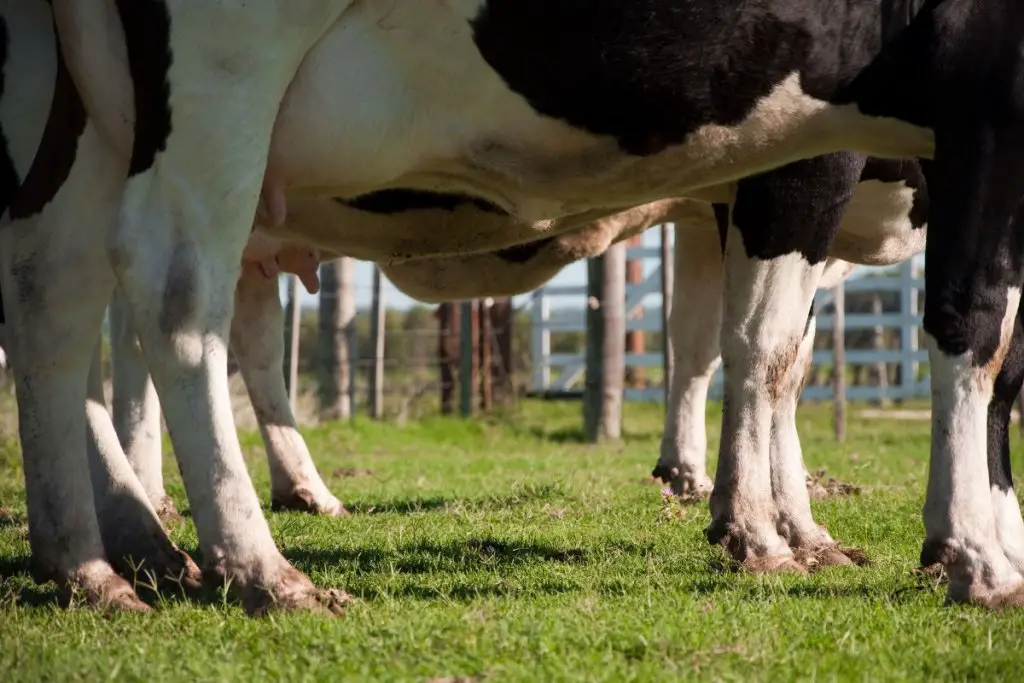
pixel 782 225
pixel 695 322
pixel 973 266
pixel 186 214
pixel 257 338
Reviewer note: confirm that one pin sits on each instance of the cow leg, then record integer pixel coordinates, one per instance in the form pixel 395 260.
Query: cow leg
pixel 133 538
pixel 694 325
pixel 55 286
pixel 187 212
pixel 257 339
pixel 972 291
pixel 810 541
pixel 781 227
pixel 1009 525
pixel 136 407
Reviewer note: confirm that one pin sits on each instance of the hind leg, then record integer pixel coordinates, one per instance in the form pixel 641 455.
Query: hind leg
pixel 136 407
pixel 695 322
pixel 55 285
pixel 257 339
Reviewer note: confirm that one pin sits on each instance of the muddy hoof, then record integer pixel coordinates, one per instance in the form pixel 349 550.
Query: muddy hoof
pixel 1005 599
pixel 294 592
pixel 154 561
pixel 774 565
pixel 303 500
pixel 109 593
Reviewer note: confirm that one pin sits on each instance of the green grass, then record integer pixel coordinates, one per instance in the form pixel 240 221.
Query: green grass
pixel 505 549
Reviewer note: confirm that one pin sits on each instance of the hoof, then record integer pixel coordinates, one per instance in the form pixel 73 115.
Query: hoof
pixel 302 500
pixel 107 592
pixel 685 486
pixel 1005 599
pixel 292 591
pixel 151 558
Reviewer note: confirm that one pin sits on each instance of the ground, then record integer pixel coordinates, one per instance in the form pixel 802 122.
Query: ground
pixel 505 549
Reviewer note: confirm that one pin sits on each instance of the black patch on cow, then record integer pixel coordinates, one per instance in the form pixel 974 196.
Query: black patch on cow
pixel 649 72
pixel 975 248
pixel 400 200
pixel 910 173
pixel 147 31
pixel 797 207
pixel 179 301
pixel 9 180
pixel 58 146
pixel 521 253
pixel 1004 394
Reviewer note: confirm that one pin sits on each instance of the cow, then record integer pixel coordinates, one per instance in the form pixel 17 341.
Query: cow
pixel 173 118
pixel 883 224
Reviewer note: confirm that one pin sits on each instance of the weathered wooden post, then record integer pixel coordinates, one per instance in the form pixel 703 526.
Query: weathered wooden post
pixel 466 358
pixel 377 332
pixel 881 367
pixel 634 376
pixel 606 345
pixel 486 370
pixel 336 344
pixel 667 280
pixel 502 317
pixel 295 321
pixel 839 361
pixel 448 352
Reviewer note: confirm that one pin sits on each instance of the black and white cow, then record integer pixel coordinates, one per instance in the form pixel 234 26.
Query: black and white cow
pixel 554 112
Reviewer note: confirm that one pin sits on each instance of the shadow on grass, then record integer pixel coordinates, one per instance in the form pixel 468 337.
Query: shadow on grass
pixel 426 557
pixel 521 495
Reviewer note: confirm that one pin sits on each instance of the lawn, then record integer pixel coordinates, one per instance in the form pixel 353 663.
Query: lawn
pixel 503 548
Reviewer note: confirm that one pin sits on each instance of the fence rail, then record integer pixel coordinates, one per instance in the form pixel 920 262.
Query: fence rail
pixel 562 308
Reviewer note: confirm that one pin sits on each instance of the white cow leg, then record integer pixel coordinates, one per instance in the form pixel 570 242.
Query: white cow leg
pixel 780 228
pixel 185 219
pixel 972 296
pixel 811 542
pixel 695 322
pixel 136 407
pixel 765 313
pixel 55 286
pixel 1005 506
pixel 134 540
pixel 257 339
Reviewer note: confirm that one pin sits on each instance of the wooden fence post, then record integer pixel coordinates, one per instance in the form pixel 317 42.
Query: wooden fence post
pixel 466 354
pixel 295 321
pixel 839 360
pixel 486 367
pixel 634 376
pixel 606 345
pixel 377 332
pixel 448 353
pixel 667 283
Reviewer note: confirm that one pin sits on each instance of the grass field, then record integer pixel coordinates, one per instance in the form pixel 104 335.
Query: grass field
pixel 505 549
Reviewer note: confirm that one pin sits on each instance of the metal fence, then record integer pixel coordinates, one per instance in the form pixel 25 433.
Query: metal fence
pixel 882 353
